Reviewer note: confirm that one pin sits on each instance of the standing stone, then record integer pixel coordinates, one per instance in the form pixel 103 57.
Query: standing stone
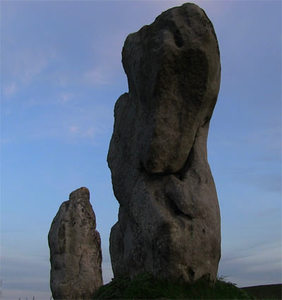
pixel 169 219
pixel 75 249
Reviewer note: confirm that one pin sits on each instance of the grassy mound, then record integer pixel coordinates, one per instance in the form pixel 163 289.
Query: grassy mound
pixel 146 286
pixel 270 291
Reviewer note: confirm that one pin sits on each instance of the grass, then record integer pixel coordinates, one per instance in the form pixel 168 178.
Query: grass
pixel 145 286
pixel 270 291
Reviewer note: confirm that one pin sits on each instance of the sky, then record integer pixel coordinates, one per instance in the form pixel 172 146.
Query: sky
pixel 61 74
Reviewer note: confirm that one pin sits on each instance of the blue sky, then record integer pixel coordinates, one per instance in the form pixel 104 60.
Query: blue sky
pixel 61 74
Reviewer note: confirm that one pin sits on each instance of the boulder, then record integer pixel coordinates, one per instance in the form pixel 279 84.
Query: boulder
pixel 75 249
pixel 169 218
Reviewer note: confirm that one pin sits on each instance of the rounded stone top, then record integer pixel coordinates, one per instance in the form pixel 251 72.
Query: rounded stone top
pixel 179 51
pixel 81 193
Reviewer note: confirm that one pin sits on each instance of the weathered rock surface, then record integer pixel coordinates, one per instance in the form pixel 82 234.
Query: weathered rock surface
pixel 169 219
pixel 75 249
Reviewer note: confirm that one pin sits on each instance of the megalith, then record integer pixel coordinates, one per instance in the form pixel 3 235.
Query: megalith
pixel 75 249
pixel 169 218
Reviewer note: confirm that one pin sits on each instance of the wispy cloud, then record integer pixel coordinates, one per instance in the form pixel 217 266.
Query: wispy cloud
pixel 270 182
pixel 80 132
pixel 26 64
pixel 97 76
pixel 68 124
pixel 9 89
pixel 22 66
pixel 259 175
pixel 12 294
pixel 33 64
pixel 107 271
pixel 90 132
pixel 253 265
pixel 25 277
pixel 65 97
pixel 268 139
pixel 74 129
pixel 214 9
pixel 106 60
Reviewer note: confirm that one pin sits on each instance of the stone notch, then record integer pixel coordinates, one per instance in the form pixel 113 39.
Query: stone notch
pixel 75 249
pixel 169 218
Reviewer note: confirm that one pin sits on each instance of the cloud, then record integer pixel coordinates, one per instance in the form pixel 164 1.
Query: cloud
pixel 269 182
pixel 253 265
pixel 66 116
pixel 12 294
pixel 259 175
pixel 25 64
pixel 32 65
pixel 83 133
pixel 252 158
pixel 106 60
pixel 214 9
pixel 25 277
pixel 65 97
pixel 29 276
pixel 89 133
pixel 74 129
pixel 10 89
pixel 269 213
pixel 267 139
pixel 107 271
pixel 97 76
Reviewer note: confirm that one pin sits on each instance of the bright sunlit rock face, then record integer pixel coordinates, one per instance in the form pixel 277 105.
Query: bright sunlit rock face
pixel 169 219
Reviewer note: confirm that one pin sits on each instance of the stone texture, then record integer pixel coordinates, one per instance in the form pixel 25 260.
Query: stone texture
pixel 75 249
pixel 169 219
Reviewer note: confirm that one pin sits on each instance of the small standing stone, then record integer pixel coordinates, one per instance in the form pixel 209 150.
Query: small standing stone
pixel 75 249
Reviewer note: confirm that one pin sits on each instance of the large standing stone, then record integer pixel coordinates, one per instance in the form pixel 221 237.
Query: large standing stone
pixel 169 219
pixel 75 249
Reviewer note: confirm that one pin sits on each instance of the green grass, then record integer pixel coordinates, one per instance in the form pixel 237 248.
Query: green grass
pixel 146 286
